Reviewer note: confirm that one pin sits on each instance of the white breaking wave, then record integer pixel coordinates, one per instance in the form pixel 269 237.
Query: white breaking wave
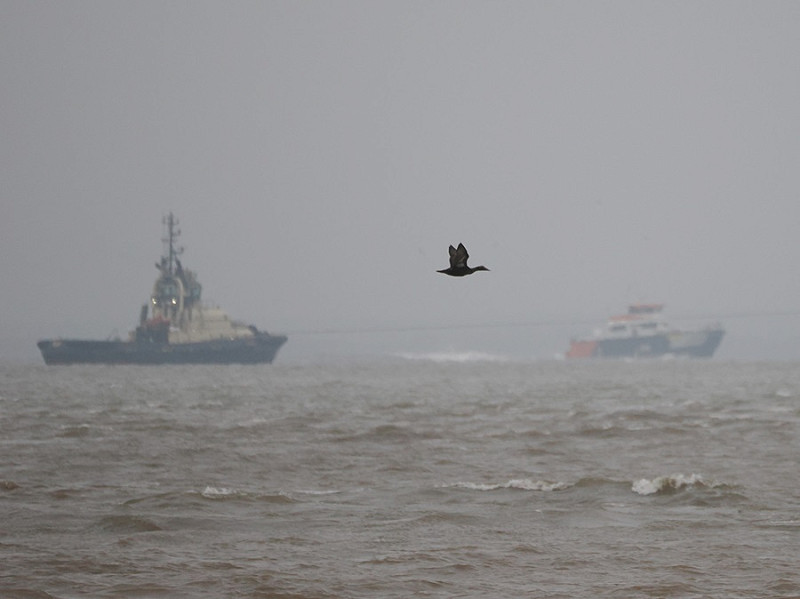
pixel 523 484
pixel 453 356
pixel 673 482
pixel 219 492
pixel 226 493
pixel 312 492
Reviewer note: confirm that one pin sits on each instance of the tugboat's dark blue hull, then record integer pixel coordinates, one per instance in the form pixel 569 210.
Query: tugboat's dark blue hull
pixel 259 349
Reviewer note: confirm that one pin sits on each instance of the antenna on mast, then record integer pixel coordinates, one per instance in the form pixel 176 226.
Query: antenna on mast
pixel 172 252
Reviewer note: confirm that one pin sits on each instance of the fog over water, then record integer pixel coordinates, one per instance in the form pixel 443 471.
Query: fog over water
pixel 321 156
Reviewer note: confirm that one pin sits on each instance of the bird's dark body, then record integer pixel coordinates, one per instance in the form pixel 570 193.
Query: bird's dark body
pixel 458 263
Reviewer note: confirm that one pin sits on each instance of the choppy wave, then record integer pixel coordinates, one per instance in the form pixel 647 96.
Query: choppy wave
pixel 454 356
pixel 661 485
pixel 670 484
pixel 223 493
pixel 127 524
pixel 384 433
pixel 313 492
pixel 21 593
pixel 402 478
pixel 523 484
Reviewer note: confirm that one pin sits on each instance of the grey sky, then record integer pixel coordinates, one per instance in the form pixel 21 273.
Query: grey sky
pixel 321 156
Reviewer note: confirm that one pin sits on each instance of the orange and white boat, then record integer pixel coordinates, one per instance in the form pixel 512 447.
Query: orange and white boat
pixel 643 333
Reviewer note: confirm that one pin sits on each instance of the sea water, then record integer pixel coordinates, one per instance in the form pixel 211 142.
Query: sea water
pixel 441 475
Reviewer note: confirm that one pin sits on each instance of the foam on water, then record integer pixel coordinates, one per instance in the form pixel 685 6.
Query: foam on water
pixel 454 356
pixel 523 484
pixel 220 492
pixel 666 484
pixel 223 493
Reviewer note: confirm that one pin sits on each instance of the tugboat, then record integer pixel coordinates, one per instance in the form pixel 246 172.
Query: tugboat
pixel 174 327
pixel 643 333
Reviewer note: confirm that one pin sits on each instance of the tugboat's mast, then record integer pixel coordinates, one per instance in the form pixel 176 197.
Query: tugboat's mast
pixel 172 235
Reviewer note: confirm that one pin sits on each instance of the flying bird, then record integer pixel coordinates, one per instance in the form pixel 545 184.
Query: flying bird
pixel 458 263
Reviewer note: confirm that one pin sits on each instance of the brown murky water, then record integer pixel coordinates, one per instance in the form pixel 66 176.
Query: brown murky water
pixel 434 476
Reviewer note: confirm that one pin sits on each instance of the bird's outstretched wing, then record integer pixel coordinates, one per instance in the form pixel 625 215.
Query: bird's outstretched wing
pixel 458 257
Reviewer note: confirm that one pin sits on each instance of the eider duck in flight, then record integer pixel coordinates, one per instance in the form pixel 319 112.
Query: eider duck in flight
pixel 458 263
